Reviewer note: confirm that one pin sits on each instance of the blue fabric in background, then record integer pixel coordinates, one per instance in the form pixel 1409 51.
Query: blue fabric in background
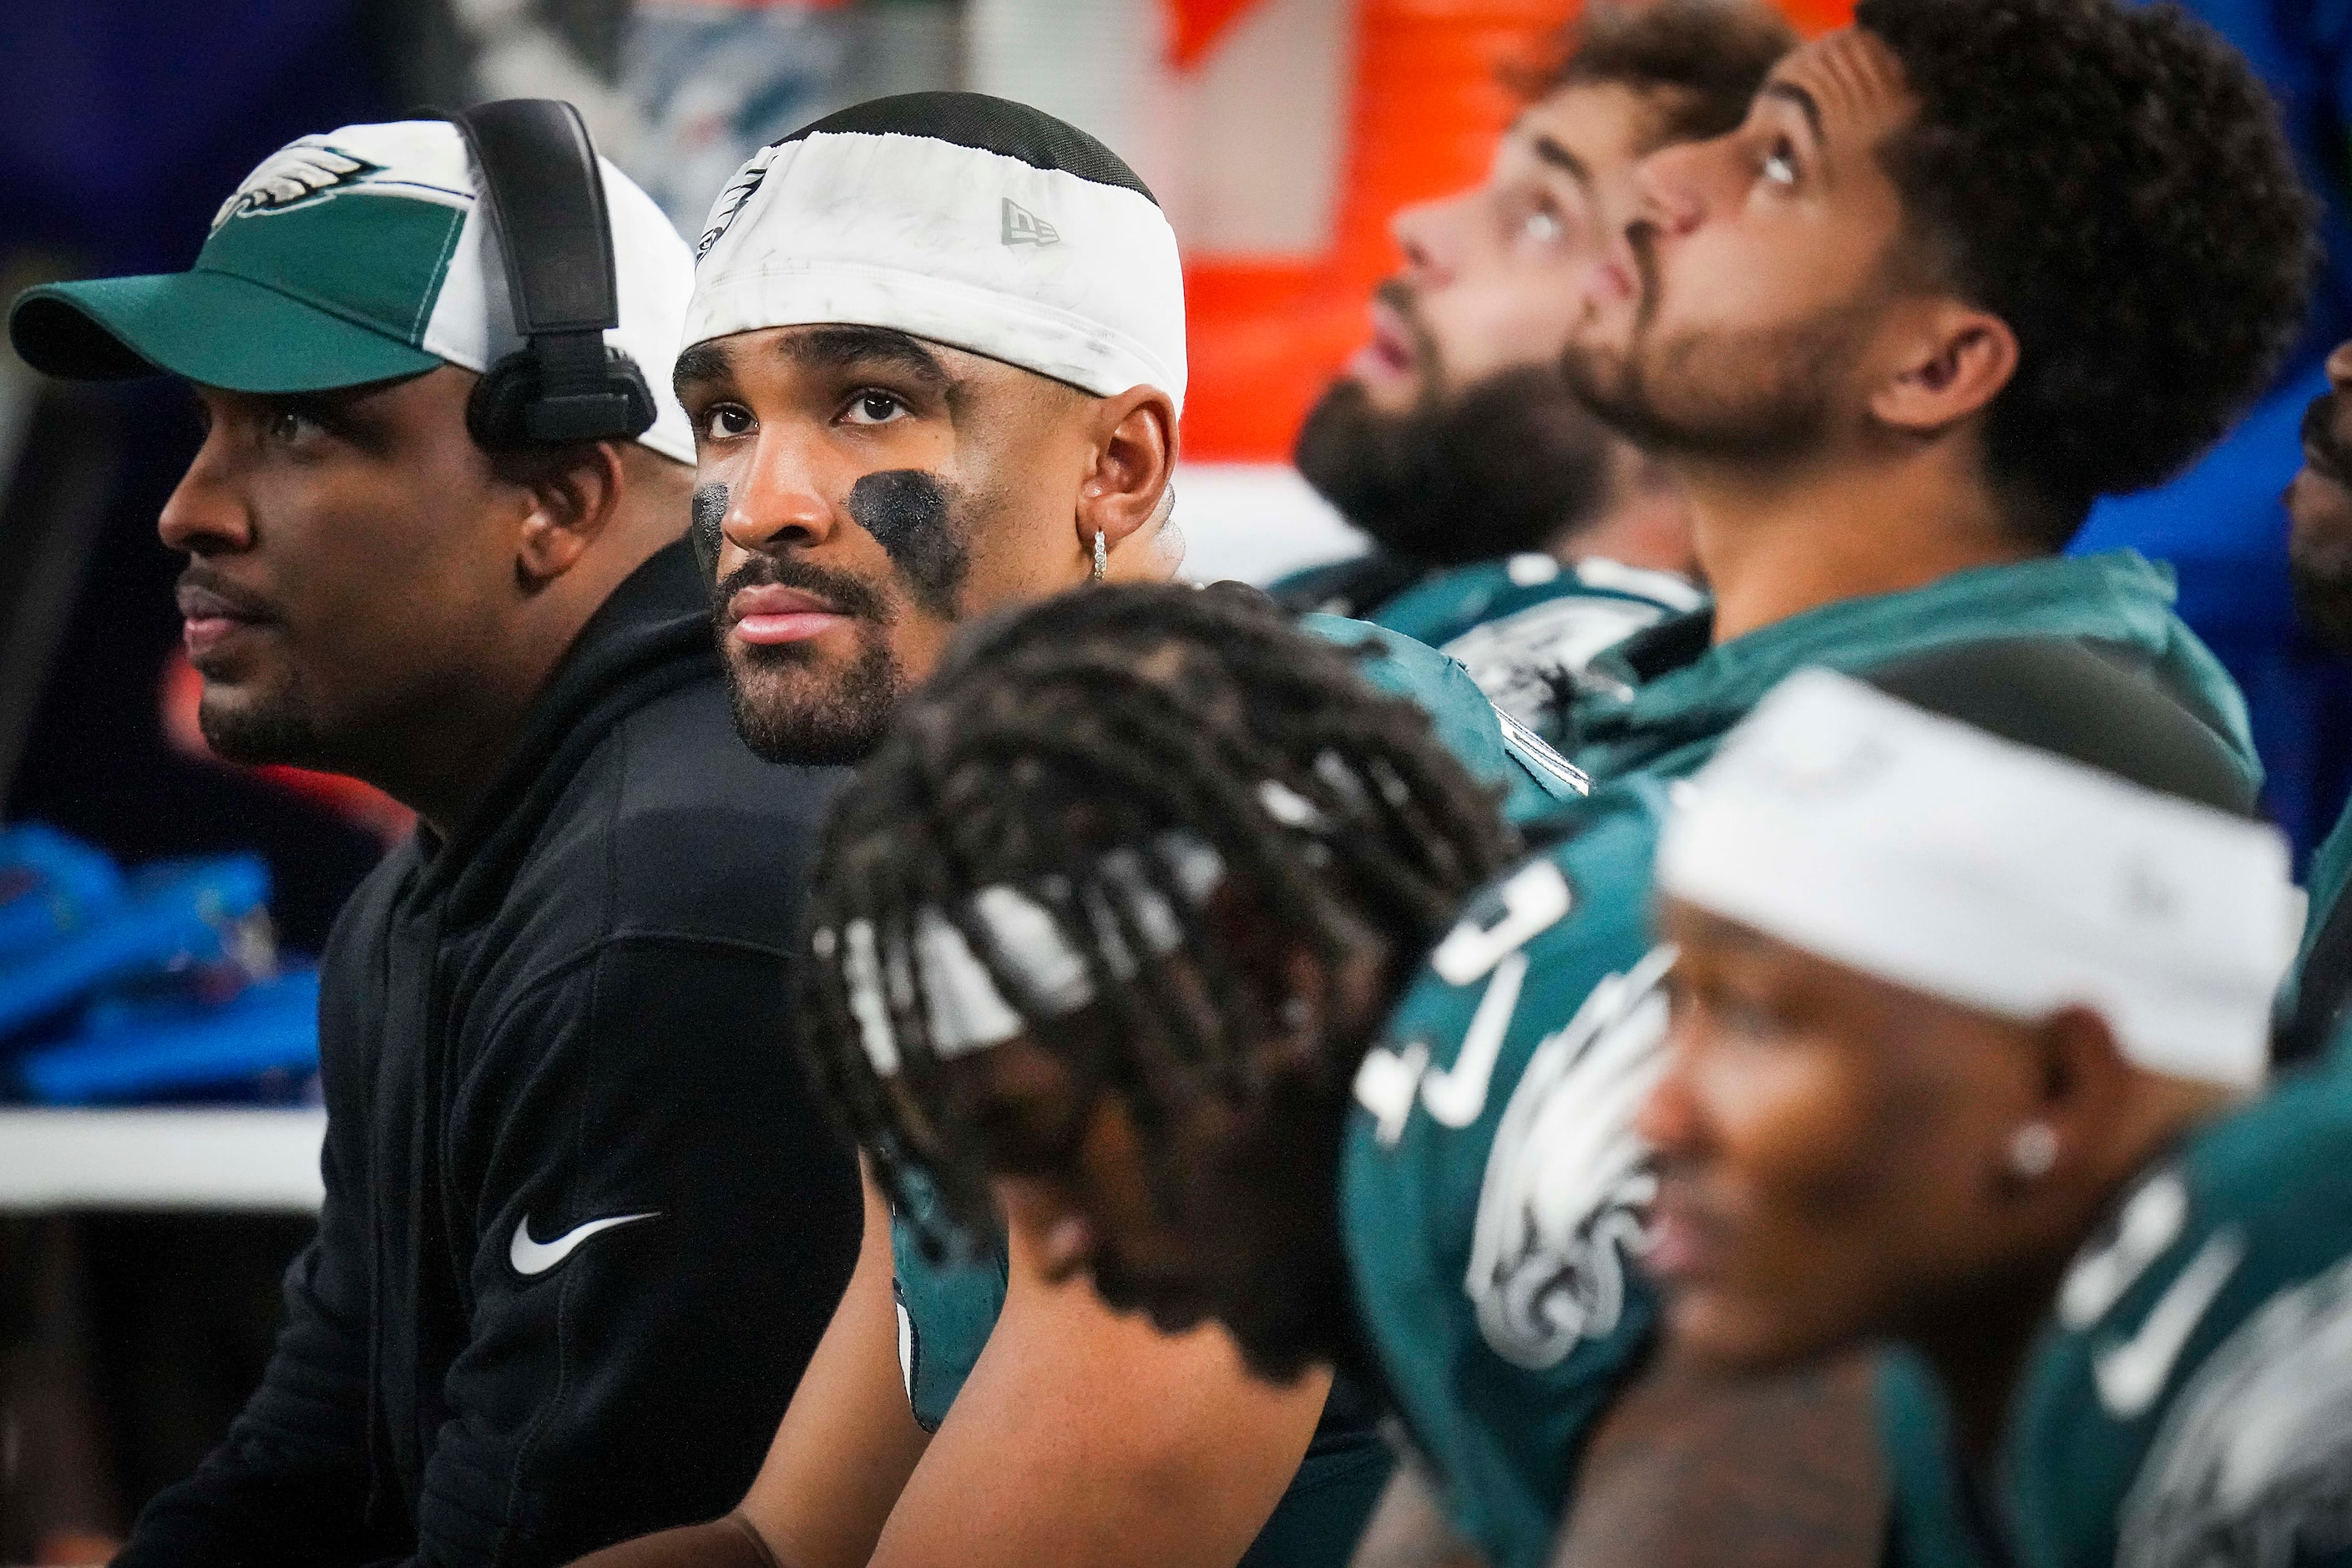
pixel 162 982
pixel 129 120
pixel 2222 524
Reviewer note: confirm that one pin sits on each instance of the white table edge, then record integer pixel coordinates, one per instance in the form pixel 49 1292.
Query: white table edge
pixel 209 1158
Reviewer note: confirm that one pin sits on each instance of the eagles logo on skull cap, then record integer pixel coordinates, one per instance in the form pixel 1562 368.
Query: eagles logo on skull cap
pixel 354 257
pixel 968 220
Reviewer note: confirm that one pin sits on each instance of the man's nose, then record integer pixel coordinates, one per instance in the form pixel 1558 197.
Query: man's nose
pixel 1671 187
pixel 1429 234
pixel 1669 1119
pixel 780 505
pixel 205 514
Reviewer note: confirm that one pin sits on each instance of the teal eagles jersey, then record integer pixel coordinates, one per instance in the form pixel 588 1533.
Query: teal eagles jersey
pixel 1934 1524
pixel 1494 1286
pixel 948 1309
pixel 1491 1188
pixel 2189 1404
pixel 1525 627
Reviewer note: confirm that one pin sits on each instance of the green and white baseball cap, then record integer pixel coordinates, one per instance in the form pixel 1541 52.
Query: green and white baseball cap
pixel 351 257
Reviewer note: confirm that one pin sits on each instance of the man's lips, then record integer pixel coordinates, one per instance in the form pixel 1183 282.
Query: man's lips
pixel 1686 1244
pixel 209 617
pixel 1388 356
pixel 770 615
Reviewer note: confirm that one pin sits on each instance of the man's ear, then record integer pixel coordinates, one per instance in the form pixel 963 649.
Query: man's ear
pixel 1135 456
pixel 571 504
pixel 1946 361
pixel 2084 1090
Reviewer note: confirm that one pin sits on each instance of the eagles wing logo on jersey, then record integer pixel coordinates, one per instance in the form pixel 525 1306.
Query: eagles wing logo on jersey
pixel 1519 659
pixel 2254 1466
pixel 1567 1180
pixel 306 171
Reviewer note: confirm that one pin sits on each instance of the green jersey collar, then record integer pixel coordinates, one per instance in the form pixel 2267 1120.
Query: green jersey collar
pixel 1666 696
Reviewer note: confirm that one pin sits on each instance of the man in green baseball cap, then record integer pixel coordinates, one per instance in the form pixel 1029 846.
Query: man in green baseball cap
pixel 564 1179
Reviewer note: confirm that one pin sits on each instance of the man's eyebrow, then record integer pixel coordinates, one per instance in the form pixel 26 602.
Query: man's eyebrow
pixel 701 362
pixel 1805 102
pixel 1548 150
pixel 840 347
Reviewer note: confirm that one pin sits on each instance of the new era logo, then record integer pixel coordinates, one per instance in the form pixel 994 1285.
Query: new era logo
pixel 1023 226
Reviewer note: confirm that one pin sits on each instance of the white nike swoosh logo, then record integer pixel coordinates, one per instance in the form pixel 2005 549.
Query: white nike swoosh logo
pixel 531 1257
pixel 2132 1375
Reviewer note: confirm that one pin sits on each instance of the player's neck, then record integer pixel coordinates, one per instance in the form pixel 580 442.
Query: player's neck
pixel 1979 1344
pixel 1776 543
pixel 1978 1348
pixel 1646 524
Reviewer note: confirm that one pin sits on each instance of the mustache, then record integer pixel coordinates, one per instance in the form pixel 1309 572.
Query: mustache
pixel 850 595
pixel 1403 297
pixel 200 577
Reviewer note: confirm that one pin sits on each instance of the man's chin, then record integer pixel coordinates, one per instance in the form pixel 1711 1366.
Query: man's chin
pixel 1722 1336
pixel 1286 1329
pixel 793 707
pixel 252 728
pixel 1270 1346
pixel 1601 377
pixel 1392 394
pixel 1285 1362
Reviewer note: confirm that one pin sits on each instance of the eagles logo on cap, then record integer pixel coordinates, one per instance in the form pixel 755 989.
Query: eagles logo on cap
pixel 301 172
pixel 347 259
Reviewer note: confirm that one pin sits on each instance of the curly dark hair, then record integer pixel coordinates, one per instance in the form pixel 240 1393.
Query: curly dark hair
pixel 1703 58
pixel 2116 186
pixel 1076 754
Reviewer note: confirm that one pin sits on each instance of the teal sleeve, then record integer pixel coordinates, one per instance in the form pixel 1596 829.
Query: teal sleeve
pixel 1320 1517
pixel 2331 866
pixel 947 1306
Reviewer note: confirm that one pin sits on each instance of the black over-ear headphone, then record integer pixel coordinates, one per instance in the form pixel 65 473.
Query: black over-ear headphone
pixel 544 193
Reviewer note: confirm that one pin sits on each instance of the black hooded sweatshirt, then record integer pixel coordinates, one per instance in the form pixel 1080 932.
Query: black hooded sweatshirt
pixel 584 1220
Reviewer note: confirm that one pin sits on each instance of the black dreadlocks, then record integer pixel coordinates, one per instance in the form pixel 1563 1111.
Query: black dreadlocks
pixel 1064 749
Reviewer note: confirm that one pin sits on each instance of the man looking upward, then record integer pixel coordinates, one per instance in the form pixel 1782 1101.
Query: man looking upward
pixel 566 1177
pixel 1510 528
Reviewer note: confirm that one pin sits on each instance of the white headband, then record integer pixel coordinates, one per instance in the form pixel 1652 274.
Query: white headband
pixel 1039 268
pixel 1946 860
pixel 962 1007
